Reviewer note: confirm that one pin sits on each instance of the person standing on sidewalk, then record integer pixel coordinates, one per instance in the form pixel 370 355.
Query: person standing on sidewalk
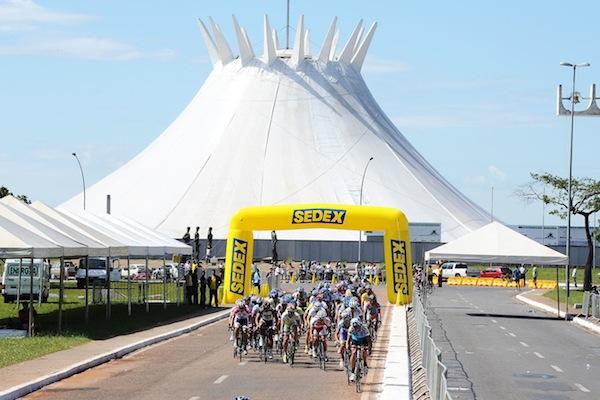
pixel 534 275
pixel 202 283
pixel 213 287
pixel 517 278
pixel 574 276
pixel 522 273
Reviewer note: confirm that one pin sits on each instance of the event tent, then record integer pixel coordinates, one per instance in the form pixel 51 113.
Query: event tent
pixel 496 243
pixel 283 127
pixel 18 242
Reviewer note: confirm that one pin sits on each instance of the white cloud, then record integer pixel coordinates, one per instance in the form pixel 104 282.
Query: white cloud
pixel 497 173
pixel 91 48
pixel 20 14
pixel 377 65
pixel 492 176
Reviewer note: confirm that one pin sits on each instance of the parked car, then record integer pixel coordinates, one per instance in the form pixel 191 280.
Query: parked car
pixel 134 269
pixel 141 275
pixel 96 272
pixel 10 279
pixel 452 269
pixel 496 272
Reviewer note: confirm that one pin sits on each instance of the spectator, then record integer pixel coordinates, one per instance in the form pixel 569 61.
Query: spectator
pixel 186 237
pixel 202 281
pixel 195 283
pixel 534 275
pixel 429 275
pixel 213 288
pixel 517 277
pixel 256 278
pixel 197 244
pixel 574 276
pixel 209 243
pixel 188 287
pixel 522 273
pixel 24 317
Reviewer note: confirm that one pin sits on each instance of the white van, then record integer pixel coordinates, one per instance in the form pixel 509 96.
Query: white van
pixel 10 279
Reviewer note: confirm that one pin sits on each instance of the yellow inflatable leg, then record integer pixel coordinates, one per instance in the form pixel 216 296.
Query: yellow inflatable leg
pixel 314 278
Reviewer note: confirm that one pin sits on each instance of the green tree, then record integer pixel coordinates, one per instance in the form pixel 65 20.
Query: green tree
pixel 5 192
pixel 585 201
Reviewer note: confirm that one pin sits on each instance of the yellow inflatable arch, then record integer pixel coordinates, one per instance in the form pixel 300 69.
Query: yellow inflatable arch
pixel 238 258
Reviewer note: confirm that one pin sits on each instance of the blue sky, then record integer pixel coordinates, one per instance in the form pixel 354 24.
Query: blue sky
pixel 471 84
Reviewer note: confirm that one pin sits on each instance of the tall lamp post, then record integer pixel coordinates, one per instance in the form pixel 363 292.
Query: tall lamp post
pixel 362 184
pixel 574 99
pixel 82 177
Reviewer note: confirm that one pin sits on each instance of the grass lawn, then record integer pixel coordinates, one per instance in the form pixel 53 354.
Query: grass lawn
pixel 576 296
pixel 550 273
pixel 76 331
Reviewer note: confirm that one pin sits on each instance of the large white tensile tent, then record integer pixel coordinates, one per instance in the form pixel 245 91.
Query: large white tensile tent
pixel 496 243
pixel 288 126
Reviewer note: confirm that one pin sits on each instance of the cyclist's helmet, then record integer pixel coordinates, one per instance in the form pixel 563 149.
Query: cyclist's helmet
pixel 291 306
pixel 345 314
pixel 356 322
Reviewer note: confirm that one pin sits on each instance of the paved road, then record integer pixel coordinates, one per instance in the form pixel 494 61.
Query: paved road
pixel 200 366
pixel 499 348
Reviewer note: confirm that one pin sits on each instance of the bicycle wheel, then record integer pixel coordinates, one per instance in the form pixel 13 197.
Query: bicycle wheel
pixel 358 370
pixel 322 354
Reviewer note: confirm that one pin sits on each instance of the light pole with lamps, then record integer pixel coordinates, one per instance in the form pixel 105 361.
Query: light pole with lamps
pixel 362 183
pixel 82 177
pixel 574 99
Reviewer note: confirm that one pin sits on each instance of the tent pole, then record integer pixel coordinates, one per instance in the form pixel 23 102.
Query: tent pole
pixel 30 322
pixel 108 268
pixel 128 288
pixel 87 284
pixel 61 291
pixel 19 287
pixel 164 282
pixel 42 271
pixel 146 286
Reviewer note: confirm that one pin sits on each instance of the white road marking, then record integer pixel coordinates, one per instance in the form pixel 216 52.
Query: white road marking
pixel 581 387
pixel 243 363
pixel 494 321
pixel 556 368
pixel 194 398
pixel 512 334
pixel 469 352
pixel 538 355
pixel 524 344
pixel 503 328
pixel 220 379
pixel 459 389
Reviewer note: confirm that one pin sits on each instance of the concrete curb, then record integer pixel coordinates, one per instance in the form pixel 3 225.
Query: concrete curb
pixel 396 376
pixel 22 390
pixel 576 320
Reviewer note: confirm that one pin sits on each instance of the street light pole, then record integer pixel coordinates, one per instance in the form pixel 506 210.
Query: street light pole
pixel 82 177
pixel 362 184
pixel 574 100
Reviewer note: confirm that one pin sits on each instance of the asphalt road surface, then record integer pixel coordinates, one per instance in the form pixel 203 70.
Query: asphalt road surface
pixel 200 365
pixel 497 347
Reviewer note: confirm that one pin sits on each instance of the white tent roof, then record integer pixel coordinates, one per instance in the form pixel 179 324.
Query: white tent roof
pixel 70 247
pixel 18 242
pixel 95 248
pixel 496 243
pixel 116 248
pixel 275 129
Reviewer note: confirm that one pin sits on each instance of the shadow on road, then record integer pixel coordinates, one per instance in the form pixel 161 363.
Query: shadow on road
pixel 514 316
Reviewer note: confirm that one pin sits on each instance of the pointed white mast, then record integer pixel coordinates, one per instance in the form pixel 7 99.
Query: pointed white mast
pixel 358 39
pixel 276 40
pixel 334 43
pixel 248 43
pixel 348 51
pixel 307 42
pixel 269 45
pixel 245 53
pixel 222 46
pixel 326 48
pixel 210 44
pixel 359 57
pixel 298 52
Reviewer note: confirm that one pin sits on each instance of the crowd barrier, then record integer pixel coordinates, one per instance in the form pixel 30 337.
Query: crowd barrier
pixel 591 305
pixel 499 282
pixel 432 356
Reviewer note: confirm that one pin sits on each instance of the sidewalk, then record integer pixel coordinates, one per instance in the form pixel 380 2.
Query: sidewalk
pixel 26 377
pixel 536 299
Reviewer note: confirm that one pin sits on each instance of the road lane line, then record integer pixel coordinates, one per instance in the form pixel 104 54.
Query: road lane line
pixel 494 321
pixel 220 379
pixel 194 398
pixel 512 334
pixel 556 368
pixel 524 344
pixel 243 363
pixel 503 328
pixel 538 355
pixel 581 387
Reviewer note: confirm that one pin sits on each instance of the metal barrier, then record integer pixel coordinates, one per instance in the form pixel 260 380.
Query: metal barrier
pixel 432 356
pixel 591 300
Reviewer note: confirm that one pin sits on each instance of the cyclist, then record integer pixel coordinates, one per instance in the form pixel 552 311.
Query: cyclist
pixel 319 328
pixel 290 325
pixel 239 317
pixel 341 333
pixel 265 319
pixel 372 312
pixel 358 335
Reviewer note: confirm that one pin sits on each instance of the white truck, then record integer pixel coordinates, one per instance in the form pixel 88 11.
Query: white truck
pixel 11 279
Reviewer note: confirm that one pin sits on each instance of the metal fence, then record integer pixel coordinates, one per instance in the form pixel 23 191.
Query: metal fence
pixel 591 305
pixel 432 356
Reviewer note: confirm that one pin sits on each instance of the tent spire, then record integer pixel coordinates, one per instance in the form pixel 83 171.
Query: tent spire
pixel 246 54
pixel 326 48
pixel 221 43
pixel 210 44
pixel 348 51
pixel 359 57
pixel 298 54
pixel 270 52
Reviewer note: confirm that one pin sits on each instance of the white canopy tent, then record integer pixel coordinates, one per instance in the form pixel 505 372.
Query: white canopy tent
pixel 496 243
pixel 18 242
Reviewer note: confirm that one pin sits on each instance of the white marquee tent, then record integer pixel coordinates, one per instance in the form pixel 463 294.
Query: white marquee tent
pixel 496 243
pixel 288 126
